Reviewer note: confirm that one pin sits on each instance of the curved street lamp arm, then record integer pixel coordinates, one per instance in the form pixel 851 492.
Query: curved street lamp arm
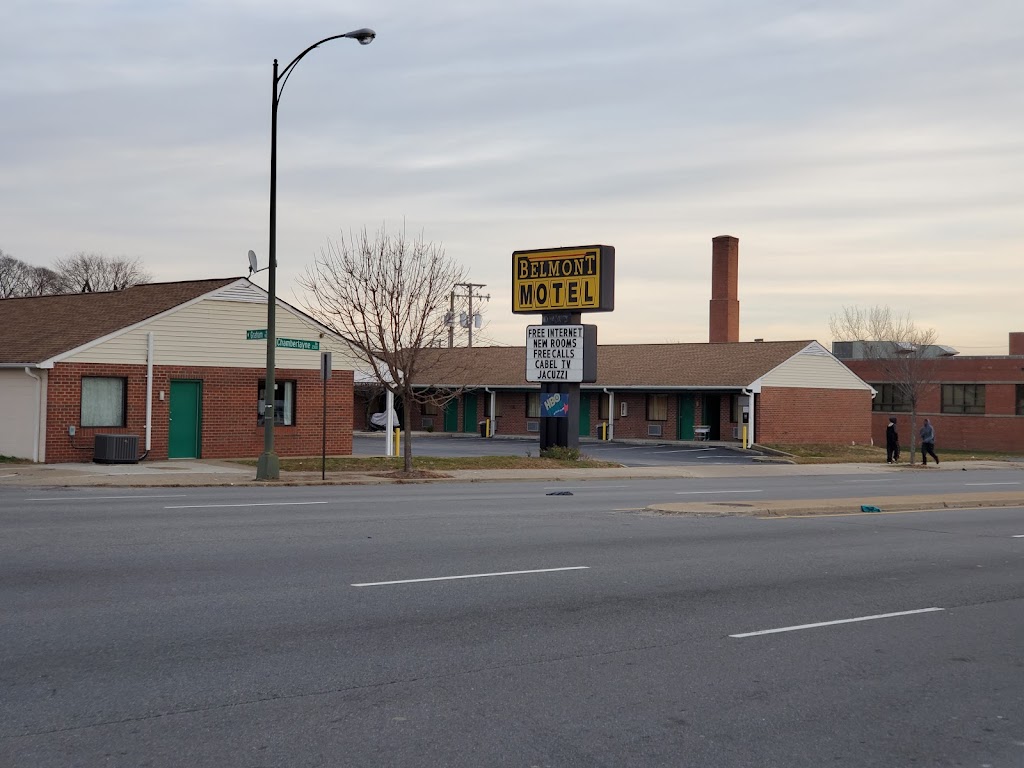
pixel 364 36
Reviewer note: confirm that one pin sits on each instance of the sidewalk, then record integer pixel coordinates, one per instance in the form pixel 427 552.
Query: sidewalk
pixel 225 472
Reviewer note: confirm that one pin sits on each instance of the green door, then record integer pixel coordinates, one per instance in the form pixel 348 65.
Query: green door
pixel 469 411
pixel 584 415
pixel 451 415
pixel 186 410
pixel 684 421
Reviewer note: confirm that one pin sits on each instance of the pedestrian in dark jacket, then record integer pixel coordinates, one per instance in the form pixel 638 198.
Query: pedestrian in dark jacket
pixel 928 443
pixel 892 442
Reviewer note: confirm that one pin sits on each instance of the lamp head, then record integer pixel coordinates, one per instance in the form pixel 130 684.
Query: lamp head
pixel 364 36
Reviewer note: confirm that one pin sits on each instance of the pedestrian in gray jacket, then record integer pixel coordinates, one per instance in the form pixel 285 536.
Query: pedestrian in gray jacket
pixel 928 443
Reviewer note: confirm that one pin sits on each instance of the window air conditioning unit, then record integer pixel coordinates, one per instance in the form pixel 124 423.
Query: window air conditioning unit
pixel 736 432
pixel 116 449
pixel 533 426
pixel 654 430
pixel 426 422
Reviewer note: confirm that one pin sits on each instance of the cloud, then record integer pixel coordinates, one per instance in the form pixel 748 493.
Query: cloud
pixel 862 152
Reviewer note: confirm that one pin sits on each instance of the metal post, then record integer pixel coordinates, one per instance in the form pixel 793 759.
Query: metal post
pixel 268 467
pixel 451 320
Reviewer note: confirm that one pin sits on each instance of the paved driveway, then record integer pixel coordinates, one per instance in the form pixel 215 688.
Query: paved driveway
pixel 627 454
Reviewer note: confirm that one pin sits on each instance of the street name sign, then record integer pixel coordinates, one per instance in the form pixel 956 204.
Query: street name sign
pixel 261 334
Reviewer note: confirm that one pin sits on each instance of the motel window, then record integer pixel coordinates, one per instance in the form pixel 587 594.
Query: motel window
pixel 657 407
pixel 104 401
pixel 1020 400
pixel 602 407
pixel 429 409
pixel 890 397
pixel 284 403
pixel 963 398
pixel 533 405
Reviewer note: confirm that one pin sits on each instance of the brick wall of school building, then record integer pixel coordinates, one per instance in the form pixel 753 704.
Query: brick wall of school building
pixel 1000 428
pixel 792 415
pixel 228 427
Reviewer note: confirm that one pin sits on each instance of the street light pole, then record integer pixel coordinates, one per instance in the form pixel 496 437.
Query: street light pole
pixel 268 466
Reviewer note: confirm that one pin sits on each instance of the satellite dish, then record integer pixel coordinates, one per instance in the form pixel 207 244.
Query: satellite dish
pixel 252 262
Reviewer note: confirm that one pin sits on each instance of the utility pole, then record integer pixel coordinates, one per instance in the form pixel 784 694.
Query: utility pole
pixel 471 293
pixel 451 320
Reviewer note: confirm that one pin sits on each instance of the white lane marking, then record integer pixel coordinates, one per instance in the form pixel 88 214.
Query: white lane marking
pixel 687 450
pixel 1018 536
pixel 259 504
pixel 865 481
pixel 991 483
pixel 838 621
pixel 14 475
pixel 91 498
pixel 471 576
pixel 686 493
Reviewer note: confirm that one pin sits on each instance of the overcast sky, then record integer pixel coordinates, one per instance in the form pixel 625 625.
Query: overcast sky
pixel 864 151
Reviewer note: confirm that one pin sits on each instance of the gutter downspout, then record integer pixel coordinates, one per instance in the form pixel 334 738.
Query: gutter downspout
pixel 493 410
pixel 389 429
pixel 149 391
pixel 611 413
pixel 35 438
pixel 750 433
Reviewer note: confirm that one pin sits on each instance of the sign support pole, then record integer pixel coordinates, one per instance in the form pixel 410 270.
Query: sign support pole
pixel 557 432
pixel 325 374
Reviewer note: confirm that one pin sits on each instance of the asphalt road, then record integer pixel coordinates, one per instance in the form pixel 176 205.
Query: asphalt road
pixel 264 627
pixel 629 455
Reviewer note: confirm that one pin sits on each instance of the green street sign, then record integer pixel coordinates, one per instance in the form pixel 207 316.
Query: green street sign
pixel 261 334
pixel 313 346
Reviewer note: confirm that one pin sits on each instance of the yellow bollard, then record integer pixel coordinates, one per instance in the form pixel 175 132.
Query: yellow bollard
pixel 745 436
pixel 398 441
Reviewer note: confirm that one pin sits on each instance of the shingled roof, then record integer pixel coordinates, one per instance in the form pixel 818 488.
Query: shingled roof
pixel 725 365
pixel 37 328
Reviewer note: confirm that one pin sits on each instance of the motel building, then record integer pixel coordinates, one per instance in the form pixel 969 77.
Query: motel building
pixel 770 391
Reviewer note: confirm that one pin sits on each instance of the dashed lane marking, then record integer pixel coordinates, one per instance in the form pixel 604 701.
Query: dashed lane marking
pixel 837 621
pixel 471 576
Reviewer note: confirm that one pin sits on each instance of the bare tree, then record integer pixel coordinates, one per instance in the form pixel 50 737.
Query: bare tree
pixel 42 281
pixel 17 278
pixel 902 352
pixel 13 276
pixel 82 272
pixel 388 296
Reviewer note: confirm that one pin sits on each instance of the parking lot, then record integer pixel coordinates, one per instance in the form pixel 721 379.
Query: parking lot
pixel 628 454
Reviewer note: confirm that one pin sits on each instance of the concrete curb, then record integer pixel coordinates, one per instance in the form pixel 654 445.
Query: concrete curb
pixel 816 507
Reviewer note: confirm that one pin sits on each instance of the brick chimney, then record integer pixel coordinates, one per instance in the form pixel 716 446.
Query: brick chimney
pixel 1017 342
pixel 725 303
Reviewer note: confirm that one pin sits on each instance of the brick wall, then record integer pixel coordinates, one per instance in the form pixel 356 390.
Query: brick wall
pixel 812 416
pixel 999 429
pixel 229 428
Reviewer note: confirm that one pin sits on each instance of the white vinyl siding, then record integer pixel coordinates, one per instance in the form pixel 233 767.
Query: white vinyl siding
pixel 211 333
pixel 18 415
pixel 812 370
